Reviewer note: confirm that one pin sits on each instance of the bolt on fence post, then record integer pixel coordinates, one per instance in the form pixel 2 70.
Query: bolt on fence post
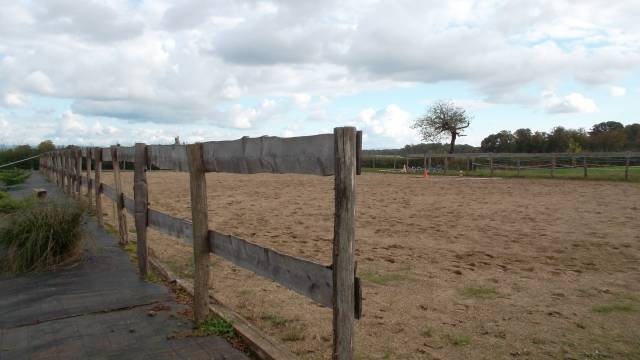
pixel 200 220
pixel 344 243
pixel 141 202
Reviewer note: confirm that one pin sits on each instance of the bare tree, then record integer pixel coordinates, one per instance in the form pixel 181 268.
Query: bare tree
pixel 443 119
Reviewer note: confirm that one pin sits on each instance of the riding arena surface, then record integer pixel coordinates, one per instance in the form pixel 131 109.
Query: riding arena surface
pixel 451 267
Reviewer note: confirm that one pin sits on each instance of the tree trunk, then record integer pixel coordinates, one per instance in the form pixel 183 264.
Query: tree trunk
pixel 453 143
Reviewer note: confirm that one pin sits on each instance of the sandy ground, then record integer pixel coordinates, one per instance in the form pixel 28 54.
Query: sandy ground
pixel 452 268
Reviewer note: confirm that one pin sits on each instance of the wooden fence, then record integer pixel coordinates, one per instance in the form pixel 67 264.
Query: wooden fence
pixel 334 286
pixel 517 162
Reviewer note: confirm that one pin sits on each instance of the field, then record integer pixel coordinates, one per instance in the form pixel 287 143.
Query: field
pixel 608 173
pixel 452 268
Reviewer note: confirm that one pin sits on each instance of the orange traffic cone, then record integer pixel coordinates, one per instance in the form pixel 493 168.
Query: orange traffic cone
pixel 425 174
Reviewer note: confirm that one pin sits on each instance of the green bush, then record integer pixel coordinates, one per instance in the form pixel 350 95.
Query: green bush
pixel 41 236
pixel 14 177
pixel 9 204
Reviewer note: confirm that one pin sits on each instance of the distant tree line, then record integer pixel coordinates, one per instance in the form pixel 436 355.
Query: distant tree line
pixel 605 136
pixel 11 154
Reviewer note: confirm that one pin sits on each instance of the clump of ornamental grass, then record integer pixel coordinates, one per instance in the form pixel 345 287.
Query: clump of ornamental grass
pixel 41 236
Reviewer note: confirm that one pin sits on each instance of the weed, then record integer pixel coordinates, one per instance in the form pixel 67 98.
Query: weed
pixel 386 354
pixel 275 320
pixel 427 332
pixel 217 327
pixel 457 339
pixel 614 307
pixel 595 355
pixel 480 292
pixel 382 279
pixel 293 334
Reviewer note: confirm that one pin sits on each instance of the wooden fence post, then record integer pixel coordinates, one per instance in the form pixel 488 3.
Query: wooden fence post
pixel 58 167
pixel 89 180
pixel 553 165
pixel 344 243
pixel 78 153
pixel 429 164
pixel 68 171
pixel 97 155
pixel 518 165
pixel 141 202
pixel 72 171
pixel 446 165
pixel 122 219
pixel 490 165
pixel 200 219
pixel 626 167
pixel 584 165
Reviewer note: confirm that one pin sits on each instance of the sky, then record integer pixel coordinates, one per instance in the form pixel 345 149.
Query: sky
pixel 126 71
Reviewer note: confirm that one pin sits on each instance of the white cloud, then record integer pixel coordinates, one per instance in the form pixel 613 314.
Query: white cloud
pixel 180 62
pixel 617 91
pixel 39 83
pixel 16 100
pixel 301 99
pixel 572 103
pixel 389 126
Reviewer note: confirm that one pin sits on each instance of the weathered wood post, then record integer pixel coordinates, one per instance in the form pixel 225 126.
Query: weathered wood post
pixel 122 219
pixel 200 219
pixel 626 167
pixel 97 156
pixel 374 161
pixel 344 243
pixel 58 168
pixel 68 172
pixel 141 202
pixel 553 165
pixel 89 153
pixel 584 166
pixel 78 154
pixel 490 165
pixel 424 161
pixel 73 171
pixel 518 165
pixel 446 164
pixel 429 164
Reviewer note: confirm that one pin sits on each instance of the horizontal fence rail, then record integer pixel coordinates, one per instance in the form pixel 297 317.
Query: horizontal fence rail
pixel 333 286
pixel 267 154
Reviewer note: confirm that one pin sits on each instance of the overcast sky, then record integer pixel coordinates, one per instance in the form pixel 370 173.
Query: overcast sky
pixel 101 72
